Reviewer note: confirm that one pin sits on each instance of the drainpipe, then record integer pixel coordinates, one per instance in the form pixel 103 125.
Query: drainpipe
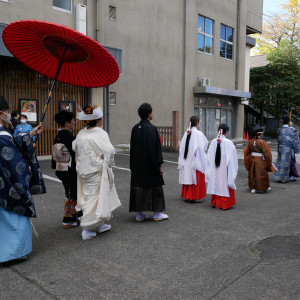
pixel 107 108
pixel 96 22
pixel 238 24
pixel 184 68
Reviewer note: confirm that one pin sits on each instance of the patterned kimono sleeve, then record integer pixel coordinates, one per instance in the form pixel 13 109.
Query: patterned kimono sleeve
pixel 14 180
pixel 37 185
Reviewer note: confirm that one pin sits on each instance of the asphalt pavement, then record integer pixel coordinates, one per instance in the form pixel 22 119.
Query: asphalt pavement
pixel 251 251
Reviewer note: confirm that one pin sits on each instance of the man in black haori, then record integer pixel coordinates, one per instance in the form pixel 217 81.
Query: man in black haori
pixel 146 192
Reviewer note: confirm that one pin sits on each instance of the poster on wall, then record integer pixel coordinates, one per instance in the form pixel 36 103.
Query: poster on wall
pixel 29 107
pixel 67 105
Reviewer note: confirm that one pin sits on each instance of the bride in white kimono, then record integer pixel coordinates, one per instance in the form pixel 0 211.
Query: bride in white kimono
pixel 222 170
pixel 97 196
pixel 192 162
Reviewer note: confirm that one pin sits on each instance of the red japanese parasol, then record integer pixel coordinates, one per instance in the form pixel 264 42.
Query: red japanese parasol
pixel 60 53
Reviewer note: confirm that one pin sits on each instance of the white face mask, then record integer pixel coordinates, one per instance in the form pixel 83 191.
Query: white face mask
pixel 8 117
pixel 23 121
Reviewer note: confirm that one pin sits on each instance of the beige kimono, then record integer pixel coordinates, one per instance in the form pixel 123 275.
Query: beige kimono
pixel 97 196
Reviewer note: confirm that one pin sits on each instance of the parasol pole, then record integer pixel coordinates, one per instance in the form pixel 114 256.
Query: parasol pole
pixel 51 89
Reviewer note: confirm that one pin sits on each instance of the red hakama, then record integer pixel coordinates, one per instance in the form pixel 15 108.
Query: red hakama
pixel 222 201
pixel 195 192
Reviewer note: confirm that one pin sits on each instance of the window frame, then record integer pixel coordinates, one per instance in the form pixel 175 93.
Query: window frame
pixel 115 13
pixel 226 41
pixel 206 35
pixel 62 9
pixel 114 96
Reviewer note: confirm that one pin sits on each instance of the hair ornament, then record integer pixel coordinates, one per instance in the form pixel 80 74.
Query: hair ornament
pixel 220 133
pixel 189 127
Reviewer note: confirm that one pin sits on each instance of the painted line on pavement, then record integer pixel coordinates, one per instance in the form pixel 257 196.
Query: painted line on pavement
pixel 51 178
pixel 57 180
pixel 119 168
pixel 124 154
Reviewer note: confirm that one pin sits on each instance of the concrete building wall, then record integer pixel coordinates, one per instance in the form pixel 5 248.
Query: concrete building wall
pixel 150 34
pixel 37 10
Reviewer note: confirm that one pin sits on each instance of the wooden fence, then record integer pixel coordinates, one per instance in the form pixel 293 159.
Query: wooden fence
pixel 19 82
pixel 169 134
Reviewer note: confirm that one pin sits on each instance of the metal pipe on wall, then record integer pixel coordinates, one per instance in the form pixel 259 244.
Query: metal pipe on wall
pixel 184 68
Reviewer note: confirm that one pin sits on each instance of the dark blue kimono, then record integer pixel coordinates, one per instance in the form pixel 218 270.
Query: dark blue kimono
pixel 288 143
pixel 17 185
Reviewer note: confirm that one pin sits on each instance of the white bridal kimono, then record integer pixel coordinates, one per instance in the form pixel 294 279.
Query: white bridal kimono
pixel 219 179
pixel 97 196
pixel 196 159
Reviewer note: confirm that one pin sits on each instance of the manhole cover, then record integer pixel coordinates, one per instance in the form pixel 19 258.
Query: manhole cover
pixel 278 249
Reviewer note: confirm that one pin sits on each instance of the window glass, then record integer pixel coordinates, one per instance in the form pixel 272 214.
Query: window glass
pixel 201 42
pixel 226 42
pixel 112 98
pixel 208 44
pixel 202 100
pixel 230 122
pixel 222 49
pixel 112 13
pixel 223 32
pixel 211 123
pixel 223 116
pixel 212 101
pixel 229 51
pixel 208 26
pixel 205 35
pixel 63 4
pixel 196 100
pixel 202 121
pixel 196 111
pixel 201 24
pixel 229 34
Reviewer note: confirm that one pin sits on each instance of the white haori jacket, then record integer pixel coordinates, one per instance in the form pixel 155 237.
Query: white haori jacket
pixel 196 159
pixel 219 179
pixel 97 196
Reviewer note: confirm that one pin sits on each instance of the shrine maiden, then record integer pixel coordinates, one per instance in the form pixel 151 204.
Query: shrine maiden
pixel 222 170
pixel 192 162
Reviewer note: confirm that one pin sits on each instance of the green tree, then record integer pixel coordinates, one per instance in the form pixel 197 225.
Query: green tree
pixel 276 87
pixel 279 27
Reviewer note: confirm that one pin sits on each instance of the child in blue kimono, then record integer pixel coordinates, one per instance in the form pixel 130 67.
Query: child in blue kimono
pixel 23 128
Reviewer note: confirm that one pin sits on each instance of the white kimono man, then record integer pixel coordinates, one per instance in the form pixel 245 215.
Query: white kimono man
pixel 221 180
pixel 97 196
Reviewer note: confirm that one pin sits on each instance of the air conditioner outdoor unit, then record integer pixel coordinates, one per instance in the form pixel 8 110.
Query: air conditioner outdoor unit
pixel 81 18
pixel 205 81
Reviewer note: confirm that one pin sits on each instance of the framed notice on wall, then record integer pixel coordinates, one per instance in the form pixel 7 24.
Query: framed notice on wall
pixel 29 107
pixel 67 105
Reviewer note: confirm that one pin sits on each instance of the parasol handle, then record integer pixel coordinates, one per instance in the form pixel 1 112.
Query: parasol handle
pixel 51 89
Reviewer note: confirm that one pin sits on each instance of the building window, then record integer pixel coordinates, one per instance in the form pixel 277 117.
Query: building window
pixel 65 5
pixel 226 42
pixel 205 35
pixel 112 98
pixel 112 13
